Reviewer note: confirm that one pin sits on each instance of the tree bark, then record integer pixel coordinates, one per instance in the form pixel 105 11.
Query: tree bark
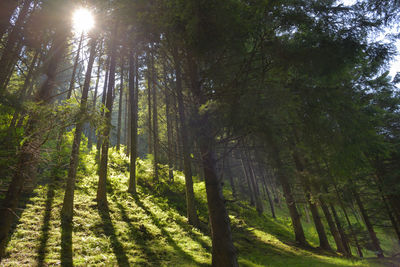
pixel 323 239
pixel 247 178
pixel 101 189
pixel 121 88
pixel 133 98
pixel 223 250
pixel 368 224
pixel 68 204
pixel 7 8
pixel 72 82
pixel 341 231
pixel 287 192
pixel 190 199
pixel 12 47
pixel 169 130
pixel 155 120
pixel 332 227
pixel 103 103
pixel 253 180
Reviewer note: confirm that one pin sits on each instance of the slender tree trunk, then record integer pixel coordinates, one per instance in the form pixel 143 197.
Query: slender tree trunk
pixel 332 227
pixel 342 233
pixel 103 103
pixel 11 50
pixel 149 123
pixel 28 155
pixel 230 177
pixel 287 192
pixel 155 120
pixel 92 131
pixel 253 180
pixel 190 199
pixel 368 224
pixel 247 178
pixel 133 98
pixel 389 211
pixel 121 88
pixel 127 130
pixel 101 189
pixel 359 251
pixel 323 239
pixel 270 201
pixel 169 131
pixel 72 82
pixel 68 204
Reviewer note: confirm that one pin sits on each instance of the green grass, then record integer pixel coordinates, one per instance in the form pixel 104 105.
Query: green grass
pixel 149 229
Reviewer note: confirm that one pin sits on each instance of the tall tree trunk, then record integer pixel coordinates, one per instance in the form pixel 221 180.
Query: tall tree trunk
pixel 103 103
pixel 253 180
pixel 368 224
pixel 7 8
pixel 76 61
pixel 149 123
pixel 92 131
pixel 332 227
pixel 247 178
pixel 270 201
pixel 121 88
pixel 342 233
pixel 359 251
pixel 155 119
pixel 389 210
pixel 169 129
pixel 101 189
pixel 133 98
pixel 68 204
pixel 223 250
pixel 28 154
pixel 291 203
pixel 190 199
pixel 230 177
pixel 323 239
pixel 11 50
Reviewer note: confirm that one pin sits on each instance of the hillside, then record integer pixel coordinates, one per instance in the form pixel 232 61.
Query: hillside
pixel 149 229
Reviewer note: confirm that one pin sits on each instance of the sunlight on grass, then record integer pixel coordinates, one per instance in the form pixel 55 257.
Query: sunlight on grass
pixel 149 229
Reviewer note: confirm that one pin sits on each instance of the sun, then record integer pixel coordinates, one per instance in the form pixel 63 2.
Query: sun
pixel 82 20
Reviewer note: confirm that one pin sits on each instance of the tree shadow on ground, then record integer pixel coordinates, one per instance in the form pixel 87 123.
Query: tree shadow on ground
pixel 184 225
pixel 176 200
pixel 109 231
pixel 138 236
pixel 165 233
pixel 44 237
pixel 252 249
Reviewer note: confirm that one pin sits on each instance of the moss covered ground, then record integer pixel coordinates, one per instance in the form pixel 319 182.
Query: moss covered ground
pixel 148 229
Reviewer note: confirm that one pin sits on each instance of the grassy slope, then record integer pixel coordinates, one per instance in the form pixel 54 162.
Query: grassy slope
pixel 147 230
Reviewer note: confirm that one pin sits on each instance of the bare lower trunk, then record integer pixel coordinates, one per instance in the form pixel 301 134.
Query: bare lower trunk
pixel 368 224
pixel 68 204
pixel 190 199
pixel 332 227
pixel 133 97
pixel 101 189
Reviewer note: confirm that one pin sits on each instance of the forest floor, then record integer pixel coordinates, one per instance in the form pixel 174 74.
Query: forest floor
pixel 149 229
